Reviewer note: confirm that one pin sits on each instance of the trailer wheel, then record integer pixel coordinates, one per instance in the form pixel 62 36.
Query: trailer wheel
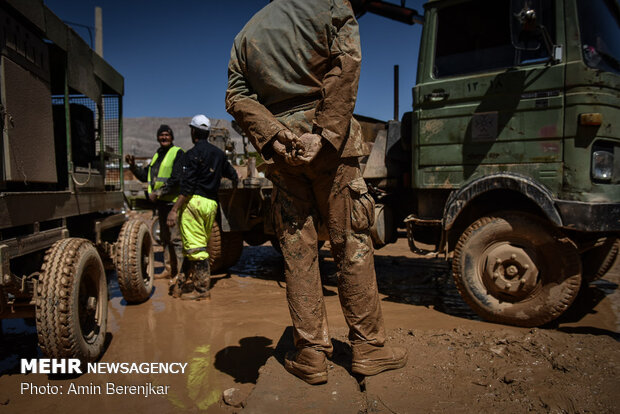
pixel 72 301
pixel 135 261
pixel 513 268
pixel 224 248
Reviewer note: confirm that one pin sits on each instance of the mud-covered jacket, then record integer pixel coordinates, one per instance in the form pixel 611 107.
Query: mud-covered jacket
pixel 296 65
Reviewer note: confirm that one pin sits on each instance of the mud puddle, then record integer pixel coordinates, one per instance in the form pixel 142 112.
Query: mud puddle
pixel 229 340
pixel 401 278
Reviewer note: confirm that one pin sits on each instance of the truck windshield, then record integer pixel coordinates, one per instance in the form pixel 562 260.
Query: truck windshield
pixel 600 33
pixel 475 36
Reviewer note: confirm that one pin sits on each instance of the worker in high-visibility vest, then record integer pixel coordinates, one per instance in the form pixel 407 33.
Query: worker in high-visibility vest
pixel 163 175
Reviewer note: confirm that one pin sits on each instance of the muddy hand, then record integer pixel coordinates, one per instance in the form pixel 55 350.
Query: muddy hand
pixel 311 145
pixel 130 159
pixel 288 156
pixel 287 138
pixel 171 220
pixel 288 145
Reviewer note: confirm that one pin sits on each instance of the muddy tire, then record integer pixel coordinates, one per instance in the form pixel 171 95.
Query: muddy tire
pixel 515 269
pixel 135 261
pixel 72 301
pixel 596 262
pixel 155 230
pixel 224 248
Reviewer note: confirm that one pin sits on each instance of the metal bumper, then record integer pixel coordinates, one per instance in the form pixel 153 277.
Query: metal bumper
pixel 590 217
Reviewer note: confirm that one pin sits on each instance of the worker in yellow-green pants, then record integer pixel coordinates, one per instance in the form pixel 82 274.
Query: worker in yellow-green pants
pixel 196 221
pixel 204 166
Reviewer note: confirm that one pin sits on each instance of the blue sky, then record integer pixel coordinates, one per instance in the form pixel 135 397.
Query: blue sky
pixel 174 54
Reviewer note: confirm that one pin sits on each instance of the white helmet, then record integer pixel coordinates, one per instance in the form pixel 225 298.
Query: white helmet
pixel 201 122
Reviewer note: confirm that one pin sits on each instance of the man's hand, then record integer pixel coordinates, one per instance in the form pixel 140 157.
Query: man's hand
pixel 288 156
pixel 153 196
pixel 131 160
pixel 311 144
pixel 171 220
pixel 287 138
pixel 287 145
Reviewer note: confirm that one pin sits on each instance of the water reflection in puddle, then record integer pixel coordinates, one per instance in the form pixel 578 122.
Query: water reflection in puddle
pixel 415 281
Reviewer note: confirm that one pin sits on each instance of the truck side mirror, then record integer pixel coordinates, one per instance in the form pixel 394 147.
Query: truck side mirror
pixel 526 31
pixel 524 27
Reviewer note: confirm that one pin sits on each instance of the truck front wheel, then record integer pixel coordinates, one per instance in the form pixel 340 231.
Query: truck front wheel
pixel 515 269
pixel 72 301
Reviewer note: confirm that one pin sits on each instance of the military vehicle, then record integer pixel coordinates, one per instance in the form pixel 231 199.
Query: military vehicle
pixel 61 193
pixel 512 152
pixel 508 164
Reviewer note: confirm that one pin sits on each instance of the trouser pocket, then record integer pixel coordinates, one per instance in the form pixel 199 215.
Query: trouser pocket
pixel 362 205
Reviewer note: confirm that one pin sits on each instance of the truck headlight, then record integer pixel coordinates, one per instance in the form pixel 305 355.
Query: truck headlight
pixel 602 164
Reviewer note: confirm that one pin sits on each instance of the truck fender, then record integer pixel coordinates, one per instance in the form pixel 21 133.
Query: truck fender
pixel 534 191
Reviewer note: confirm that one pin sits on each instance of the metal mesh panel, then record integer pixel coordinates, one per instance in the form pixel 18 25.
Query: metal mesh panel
pixel 112 140
pixel 84 131
pixel 106 145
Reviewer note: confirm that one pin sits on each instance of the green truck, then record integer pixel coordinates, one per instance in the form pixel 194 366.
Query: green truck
pixel 509 162
pixel 62 219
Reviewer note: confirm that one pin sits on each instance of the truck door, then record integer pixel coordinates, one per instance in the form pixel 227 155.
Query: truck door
pixel 488 98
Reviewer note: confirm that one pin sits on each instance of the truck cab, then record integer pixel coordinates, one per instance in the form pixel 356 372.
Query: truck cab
pixel 513 150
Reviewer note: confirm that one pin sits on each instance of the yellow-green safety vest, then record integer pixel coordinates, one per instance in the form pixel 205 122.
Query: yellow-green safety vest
pixel 165 171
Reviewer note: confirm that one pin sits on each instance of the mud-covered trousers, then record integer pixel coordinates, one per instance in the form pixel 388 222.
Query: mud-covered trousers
pixel 195 223
pixel 170 239
pixel 330 189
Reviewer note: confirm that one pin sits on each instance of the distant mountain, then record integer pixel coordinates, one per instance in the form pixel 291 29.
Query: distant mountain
pixel 139 134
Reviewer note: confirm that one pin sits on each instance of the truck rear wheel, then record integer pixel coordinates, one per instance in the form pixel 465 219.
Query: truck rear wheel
pixel 513 268
pixel 72 301
pixel 597 261
pixel 224 248
pixel 135 261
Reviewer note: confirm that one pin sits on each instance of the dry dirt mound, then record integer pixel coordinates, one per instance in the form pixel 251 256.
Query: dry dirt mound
pixel 459 371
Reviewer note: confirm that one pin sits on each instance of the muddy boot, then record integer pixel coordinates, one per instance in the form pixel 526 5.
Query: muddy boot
pixel 181 283
pixel 201 277
pixel 370 359
pixel 180 288
pixel 307 364
pixel 174 291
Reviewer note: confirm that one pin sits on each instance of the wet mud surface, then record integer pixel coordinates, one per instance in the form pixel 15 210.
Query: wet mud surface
pixel 234 346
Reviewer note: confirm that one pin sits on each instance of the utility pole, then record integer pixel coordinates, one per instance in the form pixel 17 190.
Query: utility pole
pixel 98 31
pixel 396 110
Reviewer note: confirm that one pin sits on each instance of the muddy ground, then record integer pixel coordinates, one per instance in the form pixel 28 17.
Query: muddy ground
pixel 235 345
